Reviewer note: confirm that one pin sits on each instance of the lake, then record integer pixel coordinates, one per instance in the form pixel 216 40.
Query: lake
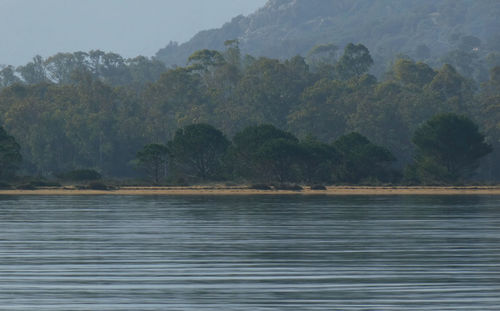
pixel 250 253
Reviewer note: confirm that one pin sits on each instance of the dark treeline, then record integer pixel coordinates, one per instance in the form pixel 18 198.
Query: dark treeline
pixel 97 110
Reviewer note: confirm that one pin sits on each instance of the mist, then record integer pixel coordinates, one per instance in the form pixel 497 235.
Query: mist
pixel 126 27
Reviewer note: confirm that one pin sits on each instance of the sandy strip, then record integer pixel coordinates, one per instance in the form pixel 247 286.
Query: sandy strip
pixel 207 190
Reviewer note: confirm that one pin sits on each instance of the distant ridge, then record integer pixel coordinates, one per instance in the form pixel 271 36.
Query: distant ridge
pixel 284 28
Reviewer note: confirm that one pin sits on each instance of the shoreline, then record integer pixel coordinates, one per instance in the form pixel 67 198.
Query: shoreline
pixel 242 190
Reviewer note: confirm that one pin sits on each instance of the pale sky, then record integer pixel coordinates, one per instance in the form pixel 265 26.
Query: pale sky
pixel 126 27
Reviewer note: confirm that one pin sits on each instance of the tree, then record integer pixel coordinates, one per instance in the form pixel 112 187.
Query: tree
pixel 247 145
pixel 143 70
pixel 318 161
pixel 322 59
pixel 489 118
pixel 175 100
pixel 407 72
pixel 153 158
pixel 355 61
pixel 268 90
pixel 326 106
pixel 450 91
pixel 33 72
pixel 449 147
pixel 361 159
pixel 10 156
pixel 232 55
pixel 198 150
pixel 279 160
pixel 8 76
pixel 205 60
pixel 61 66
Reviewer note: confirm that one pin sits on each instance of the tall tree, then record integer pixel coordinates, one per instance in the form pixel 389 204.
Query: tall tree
pixel 198 151
pixel 361 159
pixel 153 159
pixel 10 156
pixel 449 147
pixel 8 76
pixel 34 72
pixel 322 59
pixel 279 160
pixel 247 146
pixel 355 61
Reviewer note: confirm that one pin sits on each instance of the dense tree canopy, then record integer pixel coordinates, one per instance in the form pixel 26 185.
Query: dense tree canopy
pixel 361 159
pixel 198 150
pixel 153 158
pixel 449 147
pixel 10 157
pixel 97 110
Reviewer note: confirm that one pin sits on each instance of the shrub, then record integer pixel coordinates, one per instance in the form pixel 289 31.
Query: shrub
pixel 81 175
pixel 288 187
pixel 318 187
pixel 4 185
pixel 97 185
pixel 26 187
pixel 260 187
pixel 43 183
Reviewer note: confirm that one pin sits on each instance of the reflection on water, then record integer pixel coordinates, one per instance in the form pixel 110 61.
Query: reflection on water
pixel 250 253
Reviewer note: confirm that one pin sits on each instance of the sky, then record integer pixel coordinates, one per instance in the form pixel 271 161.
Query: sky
pixel 127 27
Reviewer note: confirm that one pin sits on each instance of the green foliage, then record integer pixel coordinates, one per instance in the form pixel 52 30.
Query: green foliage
pixel 267 92
pixel 250 160
pixel 8 76
pixel 449 147
pixel 98 109
pixel 424 29
pixel 205 60
pixel 408 72
pixel 81 175
pixel 198 151
pixel 97 185
pixel 278 160
pixel 318 161
pixel 111 68
pixel 153 159
pixel 10 156
pixel 265 153
pixel 355 61
pixel 322 59
pixel 361 159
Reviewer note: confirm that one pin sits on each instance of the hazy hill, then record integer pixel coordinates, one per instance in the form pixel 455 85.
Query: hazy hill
pixel 423 29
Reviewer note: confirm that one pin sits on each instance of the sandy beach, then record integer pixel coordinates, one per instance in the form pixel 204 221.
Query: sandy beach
pixel 243 190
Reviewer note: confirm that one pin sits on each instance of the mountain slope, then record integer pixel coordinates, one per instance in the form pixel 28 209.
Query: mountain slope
pixel 421 29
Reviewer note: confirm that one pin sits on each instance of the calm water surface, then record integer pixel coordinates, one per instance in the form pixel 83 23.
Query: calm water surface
pixel 249 253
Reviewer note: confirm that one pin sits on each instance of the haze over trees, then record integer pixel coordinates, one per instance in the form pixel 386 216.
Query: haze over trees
pixel 287 122
pixel 462 33
pixel 10 157
pixel 448 147
pixel 227 115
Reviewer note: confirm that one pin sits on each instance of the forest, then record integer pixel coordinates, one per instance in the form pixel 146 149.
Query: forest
pixel 225 116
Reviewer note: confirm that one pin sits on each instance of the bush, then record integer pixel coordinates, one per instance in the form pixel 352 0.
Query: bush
pixel 43 183
pixel 97 185
pixel 318 187
pixel 260 187
pixel 81 175
pixel 288 187
pixel 4 185
pixel 26 187
pixel 181 182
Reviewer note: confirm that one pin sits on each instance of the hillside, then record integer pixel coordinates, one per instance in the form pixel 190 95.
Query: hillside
pixel 423 30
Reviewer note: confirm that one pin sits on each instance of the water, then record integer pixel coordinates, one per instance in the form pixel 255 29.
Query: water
pixel 250 253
